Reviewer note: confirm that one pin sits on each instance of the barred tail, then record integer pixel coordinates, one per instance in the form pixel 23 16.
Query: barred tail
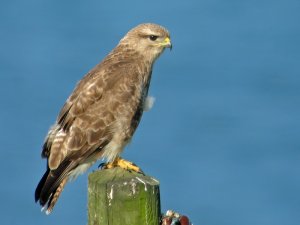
pixel 51 186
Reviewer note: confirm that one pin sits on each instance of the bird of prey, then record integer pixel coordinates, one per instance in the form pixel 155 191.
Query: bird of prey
pixel 101 115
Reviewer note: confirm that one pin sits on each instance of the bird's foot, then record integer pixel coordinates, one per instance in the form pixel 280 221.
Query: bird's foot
pixel 122 163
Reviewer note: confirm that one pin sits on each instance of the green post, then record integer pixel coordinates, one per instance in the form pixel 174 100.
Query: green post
pixel 119 197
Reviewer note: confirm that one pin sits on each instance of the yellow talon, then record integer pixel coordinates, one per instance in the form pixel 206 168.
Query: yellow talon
pixel 124 164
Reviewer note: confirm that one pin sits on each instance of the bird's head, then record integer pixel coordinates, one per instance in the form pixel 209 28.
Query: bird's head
pixel 148 39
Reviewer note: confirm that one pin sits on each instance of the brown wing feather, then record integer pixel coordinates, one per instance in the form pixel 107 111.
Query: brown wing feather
pixel 108 94
pixel 87 117
pixel 90 89
pixel 99 78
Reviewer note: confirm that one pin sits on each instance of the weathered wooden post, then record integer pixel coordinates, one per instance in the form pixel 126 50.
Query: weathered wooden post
pixel 120 197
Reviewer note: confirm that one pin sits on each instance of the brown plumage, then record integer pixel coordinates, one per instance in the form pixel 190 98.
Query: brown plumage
pixel 101 115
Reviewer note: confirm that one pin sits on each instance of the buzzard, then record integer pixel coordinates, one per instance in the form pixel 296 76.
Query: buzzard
pixel 101 115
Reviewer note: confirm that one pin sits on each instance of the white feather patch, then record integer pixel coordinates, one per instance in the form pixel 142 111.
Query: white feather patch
pixel 113 149
pixel 82 168
pixel 117 144
pixel 148 104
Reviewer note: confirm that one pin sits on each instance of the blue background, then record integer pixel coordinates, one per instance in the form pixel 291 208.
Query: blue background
pixel 223 136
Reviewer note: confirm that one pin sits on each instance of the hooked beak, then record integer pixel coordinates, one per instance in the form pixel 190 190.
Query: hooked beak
pixel 167 43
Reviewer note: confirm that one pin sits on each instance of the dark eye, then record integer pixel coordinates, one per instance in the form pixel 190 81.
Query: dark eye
pixel 153 37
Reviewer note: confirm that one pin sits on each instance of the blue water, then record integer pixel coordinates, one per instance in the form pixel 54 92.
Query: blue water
pixel 223 136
